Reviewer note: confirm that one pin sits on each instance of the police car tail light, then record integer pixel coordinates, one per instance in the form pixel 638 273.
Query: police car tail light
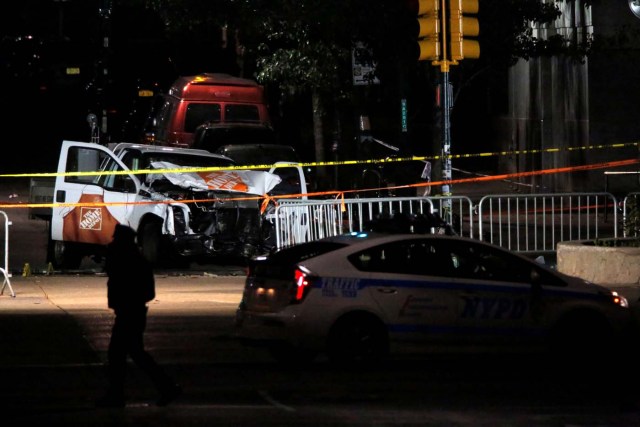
pixel 619 299
pixel 303 282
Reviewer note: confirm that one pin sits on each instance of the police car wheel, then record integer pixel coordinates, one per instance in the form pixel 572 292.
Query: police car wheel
pixel 357 338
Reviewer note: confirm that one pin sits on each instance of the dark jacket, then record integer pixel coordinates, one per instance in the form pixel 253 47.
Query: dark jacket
pixel 130 281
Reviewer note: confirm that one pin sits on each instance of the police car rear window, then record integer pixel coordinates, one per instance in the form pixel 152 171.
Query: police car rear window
pixel 304 251
pixel 281 263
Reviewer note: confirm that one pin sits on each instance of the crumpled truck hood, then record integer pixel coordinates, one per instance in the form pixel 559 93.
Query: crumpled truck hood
pixel 239 181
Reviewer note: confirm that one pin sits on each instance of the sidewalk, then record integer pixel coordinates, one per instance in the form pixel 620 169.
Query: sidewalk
pixel 41 325
pixel 55 332
pixel 38 327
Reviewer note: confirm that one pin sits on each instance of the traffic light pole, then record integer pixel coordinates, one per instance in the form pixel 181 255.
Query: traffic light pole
pixel 443 30
pixel 445 94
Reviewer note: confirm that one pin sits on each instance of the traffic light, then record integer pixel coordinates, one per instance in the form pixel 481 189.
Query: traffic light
pixel 461 27
pixel 429 30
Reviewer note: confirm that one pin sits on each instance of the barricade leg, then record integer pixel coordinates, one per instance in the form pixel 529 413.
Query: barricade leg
pixel 6 283
pixel 4 270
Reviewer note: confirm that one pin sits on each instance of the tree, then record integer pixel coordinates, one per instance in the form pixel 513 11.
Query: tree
pixel 303 47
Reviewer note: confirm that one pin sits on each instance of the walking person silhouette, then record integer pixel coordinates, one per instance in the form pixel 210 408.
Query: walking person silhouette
pixel 130 286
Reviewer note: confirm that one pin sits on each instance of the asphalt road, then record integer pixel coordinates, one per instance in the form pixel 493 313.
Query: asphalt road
pixel 54 335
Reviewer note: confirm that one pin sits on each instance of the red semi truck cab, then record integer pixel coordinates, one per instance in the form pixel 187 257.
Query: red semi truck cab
pixel 212 98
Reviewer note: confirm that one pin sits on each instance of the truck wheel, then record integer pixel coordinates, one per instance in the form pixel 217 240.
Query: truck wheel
pixel 157 249
pixel 151 242
pixel 64 255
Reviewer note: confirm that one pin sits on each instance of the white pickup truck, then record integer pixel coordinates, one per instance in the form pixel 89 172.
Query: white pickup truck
pixel 179 214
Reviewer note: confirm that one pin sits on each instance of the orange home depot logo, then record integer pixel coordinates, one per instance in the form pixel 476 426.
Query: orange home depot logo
pixel 224 180
pixel 89 224
pixel 90 218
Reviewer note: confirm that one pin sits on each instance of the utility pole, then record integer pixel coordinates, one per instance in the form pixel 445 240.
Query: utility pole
pixel 443 28
pixel 60 4
pixel 102 73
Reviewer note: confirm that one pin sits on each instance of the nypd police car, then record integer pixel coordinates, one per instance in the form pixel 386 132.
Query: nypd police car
pixel 362 296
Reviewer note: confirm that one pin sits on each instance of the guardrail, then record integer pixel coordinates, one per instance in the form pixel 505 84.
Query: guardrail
pixel 520 222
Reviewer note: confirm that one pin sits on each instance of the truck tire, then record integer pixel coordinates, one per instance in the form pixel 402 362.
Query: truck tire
pixel 151 242
pixel 64 255
pixel 157 249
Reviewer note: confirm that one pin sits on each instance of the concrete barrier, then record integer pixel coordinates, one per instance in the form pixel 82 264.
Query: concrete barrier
pixel 611 266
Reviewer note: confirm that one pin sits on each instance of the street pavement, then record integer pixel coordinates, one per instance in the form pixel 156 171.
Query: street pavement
pixel 54 335
pixel 52 363
pixel 53 341
pixel 59 298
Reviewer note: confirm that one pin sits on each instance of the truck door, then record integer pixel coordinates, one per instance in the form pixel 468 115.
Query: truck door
pixel 95 192
pixel 293 181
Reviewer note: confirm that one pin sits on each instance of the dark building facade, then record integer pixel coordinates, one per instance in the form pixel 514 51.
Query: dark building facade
pixel 564 112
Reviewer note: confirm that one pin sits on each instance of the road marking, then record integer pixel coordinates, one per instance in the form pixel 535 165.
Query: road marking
pixel 274 402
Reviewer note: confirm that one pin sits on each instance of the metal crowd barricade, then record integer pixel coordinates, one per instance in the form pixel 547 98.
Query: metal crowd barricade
pixel 519 222
pixel 457 211
pixel 537 222
pixel 298 221
pixel 5 269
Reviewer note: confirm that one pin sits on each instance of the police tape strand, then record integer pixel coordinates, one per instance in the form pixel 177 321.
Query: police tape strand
pixel 341 193
pixel 320 164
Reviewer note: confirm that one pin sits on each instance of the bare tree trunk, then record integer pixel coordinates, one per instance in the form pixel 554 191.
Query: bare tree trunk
pixel 318 137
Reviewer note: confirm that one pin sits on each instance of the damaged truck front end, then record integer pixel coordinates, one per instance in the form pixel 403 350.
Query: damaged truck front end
pixel 185 204
pixel 208 214
pixel 215 223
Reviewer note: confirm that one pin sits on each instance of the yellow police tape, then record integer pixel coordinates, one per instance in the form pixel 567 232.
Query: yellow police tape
pixel 341 193
pixel 328 163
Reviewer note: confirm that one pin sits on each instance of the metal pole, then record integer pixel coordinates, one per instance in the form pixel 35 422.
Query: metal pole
pixel 446 105
pixel 104 11
pixel 446 134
